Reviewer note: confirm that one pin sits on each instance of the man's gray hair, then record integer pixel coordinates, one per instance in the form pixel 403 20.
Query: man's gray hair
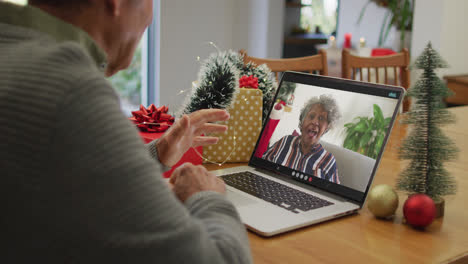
pixel 328 103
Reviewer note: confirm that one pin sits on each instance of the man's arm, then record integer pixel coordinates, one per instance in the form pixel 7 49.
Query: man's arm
pixel 188 132
pixel 153 151
pixel 113 204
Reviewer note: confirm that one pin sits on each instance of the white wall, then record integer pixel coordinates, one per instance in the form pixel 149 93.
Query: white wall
pixel 454 37
pixel 188 26
pixel 427 25
pixel 275 29
pixel 186 29
pixel 369 27
pixel 257 26
pixel 442 23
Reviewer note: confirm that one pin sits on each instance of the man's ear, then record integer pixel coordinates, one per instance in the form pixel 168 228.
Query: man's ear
pixel 114 7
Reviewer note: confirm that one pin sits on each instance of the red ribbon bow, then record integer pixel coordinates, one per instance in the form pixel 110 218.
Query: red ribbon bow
pixel 248 82
pixel 152 119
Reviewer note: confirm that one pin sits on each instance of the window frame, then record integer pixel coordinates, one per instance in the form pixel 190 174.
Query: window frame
pixel 151 59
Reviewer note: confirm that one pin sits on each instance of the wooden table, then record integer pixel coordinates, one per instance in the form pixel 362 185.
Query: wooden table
pixel 362 238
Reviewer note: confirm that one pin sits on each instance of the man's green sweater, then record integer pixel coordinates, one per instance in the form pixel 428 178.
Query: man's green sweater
pixel 77 183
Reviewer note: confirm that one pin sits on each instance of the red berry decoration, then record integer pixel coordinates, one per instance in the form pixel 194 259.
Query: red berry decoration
pixel 419 210
pixel 248 82
pixel 278 106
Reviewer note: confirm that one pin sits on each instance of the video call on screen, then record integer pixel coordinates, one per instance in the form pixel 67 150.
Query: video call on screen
pixel 338 137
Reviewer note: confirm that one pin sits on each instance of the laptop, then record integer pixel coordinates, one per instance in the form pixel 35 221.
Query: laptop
pixel 316 155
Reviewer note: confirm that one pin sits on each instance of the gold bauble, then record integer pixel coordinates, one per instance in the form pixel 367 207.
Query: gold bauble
pixel 382 201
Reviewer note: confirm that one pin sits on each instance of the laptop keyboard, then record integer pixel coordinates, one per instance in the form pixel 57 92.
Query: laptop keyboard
pixel 274 192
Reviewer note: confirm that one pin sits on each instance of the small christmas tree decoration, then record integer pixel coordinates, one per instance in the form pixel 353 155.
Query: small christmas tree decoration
pixel 382 201
pixel 419 210
pixel 218 84
pixel 426 146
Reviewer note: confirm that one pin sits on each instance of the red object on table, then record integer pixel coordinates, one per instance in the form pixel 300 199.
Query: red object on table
pixel 419 210
pixel 152 119
pixel 189 156
pixel 381 52
pixel 347 41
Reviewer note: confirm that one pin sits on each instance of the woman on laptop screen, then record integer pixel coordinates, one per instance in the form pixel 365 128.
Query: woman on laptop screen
pixel 304 152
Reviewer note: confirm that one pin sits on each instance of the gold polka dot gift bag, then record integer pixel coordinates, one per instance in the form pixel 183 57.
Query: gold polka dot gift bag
pixel 238 142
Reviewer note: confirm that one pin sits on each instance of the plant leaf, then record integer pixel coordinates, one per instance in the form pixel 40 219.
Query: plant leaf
pixel 387 30
pixel 405 16
pixel 369 123
pixel 364 141
pixel 349 125
pixel 378 115
pixel 379 141
pixel 370 149
pixel 363 10
pixel 387 121
pixel 350 141
pixel 385 24
pixel 361 126
pixel 356 139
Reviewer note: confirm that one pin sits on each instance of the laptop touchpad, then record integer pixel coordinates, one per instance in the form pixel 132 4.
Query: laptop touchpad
pixel 239 199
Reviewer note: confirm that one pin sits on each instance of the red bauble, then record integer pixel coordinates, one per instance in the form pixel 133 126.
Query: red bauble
pixel 419 210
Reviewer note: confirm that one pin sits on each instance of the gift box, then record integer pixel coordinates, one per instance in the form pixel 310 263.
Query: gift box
pixel 238 142
pixel 189 156
pixel 153 122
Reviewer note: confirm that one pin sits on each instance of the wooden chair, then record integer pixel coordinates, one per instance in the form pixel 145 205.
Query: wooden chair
pixel 391 69
pixel 310 64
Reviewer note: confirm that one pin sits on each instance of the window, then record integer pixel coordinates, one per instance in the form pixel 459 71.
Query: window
pixel 19 2
pixel 319 16
pixel 139 84
pixel 128 82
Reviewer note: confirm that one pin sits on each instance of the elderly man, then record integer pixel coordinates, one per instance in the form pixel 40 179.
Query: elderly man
pixel 78 184
pixel 304 152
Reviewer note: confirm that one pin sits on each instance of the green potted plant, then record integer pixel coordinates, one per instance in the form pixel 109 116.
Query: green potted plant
pixel 366 135
pixel 399 14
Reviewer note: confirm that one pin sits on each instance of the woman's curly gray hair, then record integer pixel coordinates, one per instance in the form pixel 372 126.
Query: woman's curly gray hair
pixel 328 103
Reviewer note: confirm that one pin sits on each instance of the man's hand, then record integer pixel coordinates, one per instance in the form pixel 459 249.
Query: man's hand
pixel 189 179
pixel 186 133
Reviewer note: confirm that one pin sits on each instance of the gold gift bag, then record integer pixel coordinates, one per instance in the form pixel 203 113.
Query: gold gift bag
pixel 238 142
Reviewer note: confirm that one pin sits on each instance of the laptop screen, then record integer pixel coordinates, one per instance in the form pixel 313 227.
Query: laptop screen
pixel 327 132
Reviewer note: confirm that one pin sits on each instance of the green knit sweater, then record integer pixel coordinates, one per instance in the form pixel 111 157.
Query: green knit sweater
pixel 77 183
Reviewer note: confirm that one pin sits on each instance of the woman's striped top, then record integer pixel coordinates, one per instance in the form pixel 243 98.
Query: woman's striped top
pixel 319 162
